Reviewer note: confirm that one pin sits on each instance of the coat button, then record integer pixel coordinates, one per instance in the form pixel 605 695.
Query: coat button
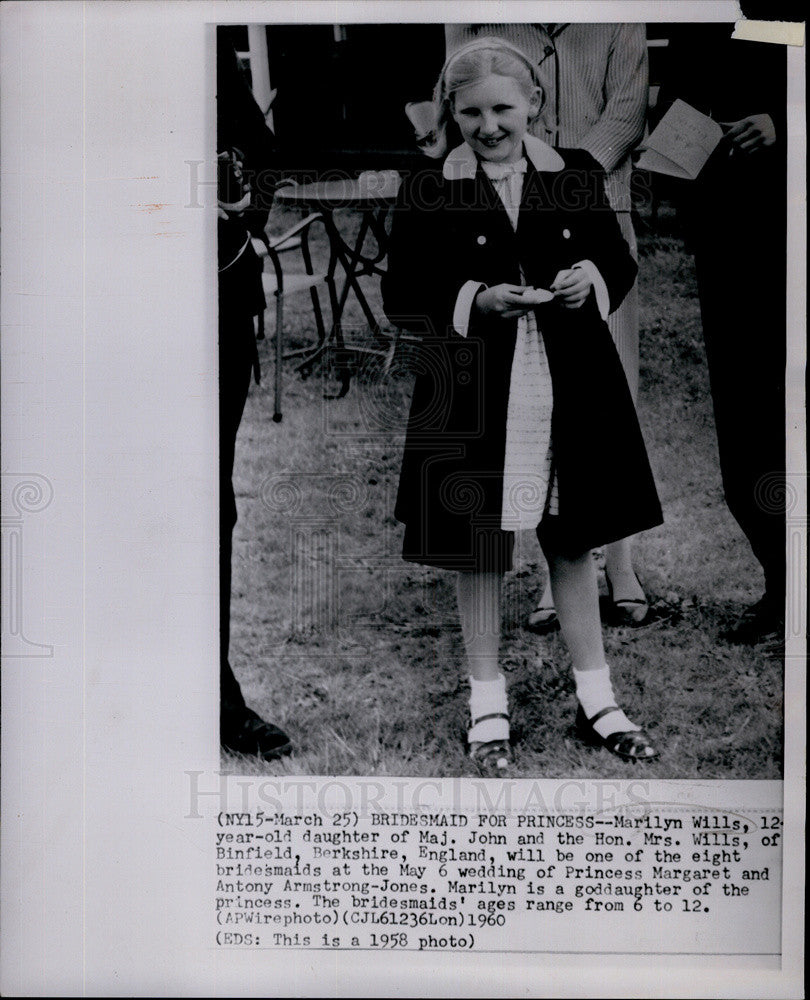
pixel 481 240
pixel 566 234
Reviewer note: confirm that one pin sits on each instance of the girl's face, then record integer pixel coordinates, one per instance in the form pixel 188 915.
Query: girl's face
pixel 493 114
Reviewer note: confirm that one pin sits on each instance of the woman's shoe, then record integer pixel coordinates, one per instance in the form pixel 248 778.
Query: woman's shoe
pixel 493 757
pixel 634 745
pixel 543 620
pixel 627 611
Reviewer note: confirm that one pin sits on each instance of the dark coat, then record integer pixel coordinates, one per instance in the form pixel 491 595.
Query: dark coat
pixel 444 233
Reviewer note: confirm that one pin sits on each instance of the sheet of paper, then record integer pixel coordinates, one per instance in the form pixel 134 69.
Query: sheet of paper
pixel 682 142
pixel 538 296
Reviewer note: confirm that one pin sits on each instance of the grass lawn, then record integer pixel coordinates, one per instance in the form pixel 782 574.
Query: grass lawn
pixel 358 655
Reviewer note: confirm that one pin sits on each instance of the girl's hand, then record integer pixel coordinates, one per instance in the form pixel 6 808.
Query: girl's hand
pixel 750 134
pixel 572 287
pixel 501 300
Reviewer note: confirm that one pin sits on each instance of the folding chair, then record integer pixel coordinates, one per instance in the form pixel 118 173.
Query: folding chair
pixel 281 286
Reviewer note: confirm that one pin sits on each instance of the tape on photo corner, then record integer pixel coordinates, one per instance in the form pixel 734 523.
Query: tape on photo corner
pixel 778 32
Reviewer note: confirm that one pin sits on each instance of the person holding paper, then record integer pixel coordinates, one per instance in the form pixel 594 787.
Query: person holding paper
pixel 681 143
pixel 735 220
pixel 595 81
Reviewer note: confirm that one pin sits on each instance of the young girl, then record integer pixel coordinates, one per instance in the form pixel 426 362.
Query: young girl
pixel 508 260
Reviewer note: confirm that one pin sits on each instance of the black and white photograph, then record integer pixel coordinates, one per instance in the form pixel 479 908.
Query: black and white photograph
pixel 404 498
pixel 502 426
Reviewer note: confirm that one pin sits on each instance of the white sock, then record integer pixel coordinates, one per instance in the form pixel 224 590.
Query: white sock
pixel 488 698
pixel 595 693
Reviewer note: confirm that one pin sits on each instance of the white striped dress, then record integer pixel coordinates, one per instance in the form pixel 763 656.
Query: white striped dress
pixel 529 488
pixel 595 81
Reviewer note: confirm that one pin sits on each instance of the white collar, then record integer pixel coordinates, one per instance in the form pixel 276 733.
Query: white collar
pixel 462 163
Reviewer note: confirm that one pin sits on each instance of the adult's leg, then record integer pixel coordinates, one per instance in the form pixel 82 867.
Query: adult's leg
pixel 235 365
pixel 626 592
pixel 241 729
pixel 745 349
pixel 623 323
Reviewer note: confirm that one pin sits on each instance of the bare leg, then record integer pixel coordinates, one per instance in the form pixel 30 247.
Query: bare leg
pixel 624 326
pixel 576 595
pixel 479 605
pixel 573 582
pixel 630 601
pixel 619 569
pixel 479 608
pixel 544 617
pixel 547 598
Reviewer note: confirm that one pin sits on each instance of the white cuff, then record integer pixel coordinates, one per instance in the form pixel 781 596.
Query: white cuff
pixel 599 286
pixel 461 313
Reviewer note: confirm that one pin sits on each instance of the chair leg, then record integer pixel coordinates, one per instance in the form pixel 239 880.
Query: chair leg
pixel 279 357
pixel 325 337
pixel 316 308
pixel 392 350
pixel 311 352
pixel 342 368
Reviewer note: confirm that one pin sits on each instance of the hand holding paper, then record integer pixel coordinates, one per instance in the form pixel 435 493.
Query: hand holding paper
pixel 682 143
pixel 752 133
pixel 572 287
pixel 506 301
pixel 536 296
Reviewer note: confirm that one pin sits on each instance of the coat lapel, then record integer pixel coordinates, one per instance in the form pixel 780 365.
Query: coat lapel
pixel 488 197
pixel 544 162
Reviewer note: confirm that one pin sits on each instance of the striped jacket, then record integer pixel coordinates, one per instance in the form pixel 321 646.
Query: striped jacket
pixel 595 81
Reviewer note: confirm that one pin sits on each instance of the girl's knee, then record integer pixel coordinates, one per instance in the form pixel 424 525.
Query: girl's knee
pixel 561 559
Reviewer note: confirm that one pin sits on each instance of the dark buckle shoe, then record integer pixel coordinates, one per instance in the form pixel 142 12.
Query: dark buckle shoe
pixel 633 745
pixel 247 733
pixel 494 757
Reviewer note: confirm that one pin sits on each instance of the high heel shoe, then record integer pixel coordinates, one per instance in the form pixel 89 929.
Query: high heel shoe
pixel 543 620
pixel 633 745
pixel 627 611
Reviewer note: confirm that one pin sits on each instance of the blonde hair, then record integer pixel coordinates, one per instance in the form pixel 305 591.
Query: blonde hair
pixel 472 62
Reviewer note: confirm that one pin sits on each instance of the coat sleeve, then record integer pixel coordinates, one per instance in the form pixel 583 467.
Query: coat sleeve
pixel 621 124
pixel 606 246
pixel 420 286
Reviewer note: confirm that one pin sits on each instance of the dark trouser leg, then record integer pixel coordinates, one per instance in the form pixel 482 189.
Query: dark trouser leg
pixel 235 366
pixel 744 328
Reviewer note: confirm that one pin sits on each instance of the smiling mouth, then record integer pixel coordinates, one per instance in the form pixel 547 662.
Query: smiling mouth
pixel 492 142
